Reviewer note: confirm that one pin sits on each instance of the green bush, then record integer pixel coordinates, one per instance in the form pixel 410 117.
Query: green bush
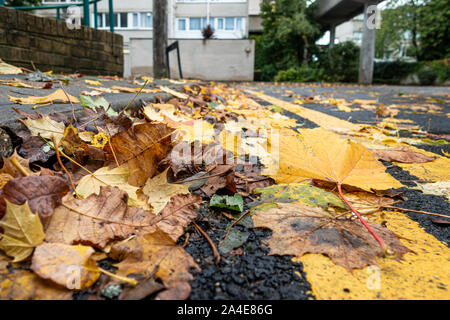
pixel 392 72
pixel 340 63
pixel 442 68
pixel 427 76
pixel 305 73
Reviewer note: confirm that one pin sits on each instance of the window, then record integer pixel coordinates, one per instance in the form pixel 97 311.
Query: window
pixel 226 26
pixel 182 24
pixel 194 23
pixel 220 24
pixel 123 20
pixel 127 20
pixel 146 20
pixel 229 23
pixel 135 18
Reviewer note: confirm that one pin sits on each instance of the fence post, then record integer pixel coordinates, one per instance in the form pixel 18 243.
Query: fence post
pixel 111 16
pixel 95 16
pixel 86 13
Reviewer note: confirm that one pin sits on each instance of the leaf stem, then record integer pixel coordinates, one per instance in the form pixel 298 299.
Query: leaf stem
pixel 130 281
pixel 373 233
pixel 19 167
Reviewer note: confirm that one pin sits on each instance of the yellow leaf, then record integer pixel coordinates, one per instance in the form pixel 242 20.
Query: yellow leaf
pixel 93 82
pixel 174 93
pixel 23 231
pixel 66 265
pixel 159 191
pixel 116 177
pixel 26 285
pixel 59 96
pixel 45 127
pixel 6 68
pixel 323 155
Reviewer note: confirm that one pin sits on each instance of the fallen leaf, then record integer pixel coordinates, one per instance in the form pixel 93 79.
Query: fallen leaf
pixel 16 166
pixel 173 92
pixel 299 229
pixel 402 154
pixel 93 82
pixel 222 176
pixel 116 177
pixel 180 290
pixel 96 220
pixel 4 178
pixel 68 266
pixel 22 231
pixel 235 203
pixel 42 193
pixel 26 285
pixel 59 96
pixel 142 290
pixel 45 127
pixel 140 148
pixel 6 68
pixel 176 215
pixel 300 193
pixel 159 191
pixel 326 156
pixel 154 251
pixel 440 188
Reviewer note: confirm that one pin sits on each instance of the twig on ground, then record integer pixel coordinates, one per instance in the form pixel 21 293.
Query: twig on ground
pixel 211 243
pixel 417 211
pixel 73 108
pixel 62 166
pixel 234 223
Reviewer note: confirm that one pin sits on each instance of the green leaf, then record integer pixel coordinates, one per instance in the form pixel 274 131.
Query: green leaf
pixel 303 193
pixel 234 240
pixel 235 203
pixel 100 102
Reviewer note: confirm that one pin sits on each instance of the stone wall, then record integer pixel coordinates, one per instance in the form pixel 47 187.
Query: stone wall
pixel 51 45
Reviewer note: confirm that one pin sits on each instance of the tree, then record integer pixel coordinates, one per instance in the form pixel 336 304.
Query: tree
pixel 289 33
pixel 434 30
pixel 420 26
pixel 160 67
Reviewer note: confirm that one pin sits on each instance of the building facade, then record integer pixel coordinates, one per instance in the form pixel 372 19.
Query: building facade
pixel 230 19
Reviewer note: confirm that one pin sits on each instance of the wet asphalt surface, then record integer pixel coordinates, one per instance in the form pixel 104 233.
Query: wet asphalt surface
pixel 249 272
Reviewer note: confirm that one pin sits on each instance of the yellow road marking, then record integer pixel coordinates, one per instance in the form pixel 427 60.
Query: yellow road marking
pixel 424 274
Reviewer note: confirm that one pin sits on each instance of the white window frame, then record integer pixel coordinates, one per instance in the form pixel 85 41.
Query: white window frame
pixel 218 33
pixel 129 18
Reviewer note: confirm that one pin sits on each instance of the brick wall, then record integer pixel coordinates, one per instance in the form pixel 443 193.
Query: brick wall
pixel 51 45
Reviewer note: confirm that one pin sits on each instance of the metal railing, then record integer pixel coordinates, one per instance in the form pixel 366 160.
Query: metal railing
pixel 86 11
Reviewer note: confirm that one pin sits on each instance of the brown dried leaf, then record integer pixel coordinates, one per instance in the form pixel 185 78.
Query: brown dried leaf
pixel 176 215
pixel 43 193
pixel 10 166
pixel 222 176
pixel 96 220
pixel 299 229
pixel 154 251
pixel 402 154
pixel 141 148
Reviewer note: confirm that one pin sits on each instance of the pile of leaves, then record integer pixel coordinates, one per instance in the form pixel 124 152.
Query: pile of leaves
pixel 98 203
